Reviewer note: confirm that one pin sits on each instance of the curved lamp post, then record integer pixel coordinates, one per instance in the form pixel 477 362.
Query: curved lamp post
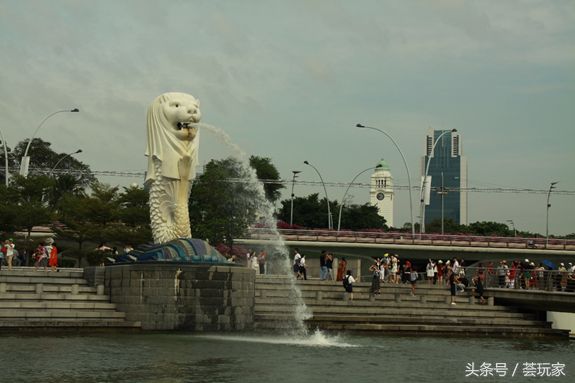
pixel 5 156
pixel 422 188
pixel 326 197
pixel 25 158
pixel 345 194
pixel 295 173
pixel 406 167
pixel 548 206
pixel 60 160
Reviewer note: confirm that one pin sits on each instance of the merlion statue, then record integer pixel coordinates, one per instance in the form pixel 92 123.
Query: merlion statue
pixel 172 151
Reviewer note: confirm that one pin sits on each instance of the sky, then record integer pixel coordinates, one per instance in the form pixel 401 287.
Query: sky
pixel 290 80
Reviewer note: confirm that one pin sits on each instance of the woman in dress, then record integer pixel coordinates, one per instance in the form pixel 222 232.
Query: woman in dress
pixel 394 270
pixel 41 257
pixel 341 270
pixel 375 284
pixel 54 258
pixel 430 269
pixel 440 272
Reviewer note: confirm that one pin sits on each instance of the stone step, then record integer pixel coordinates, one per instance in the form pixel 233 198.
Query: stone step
pixel 454 330
pixel 68 323
pixel 448 310
pixel 21 288
pixel 318 320
pixel 53 297
pixel 45 279
pixel 29 272
pixel 57 305
pixel 83 314
pixel 427 319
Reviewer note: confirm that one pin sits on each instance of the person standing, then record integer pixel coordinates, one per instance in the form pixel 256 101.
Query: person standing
pixel 375 284
pixel 329 266
pixel 2 252
pixel 41 257
pixel 341 269
pixel 440 272
pixel 9 252
pixel 394 269
pixel 430 270
pixel 479 288
pixel 303 267
pixel 262 262
pixel 348 282
pixel 413 280
pixel 453 281
pixel 296 260
pixel 323 267
pixel 54 258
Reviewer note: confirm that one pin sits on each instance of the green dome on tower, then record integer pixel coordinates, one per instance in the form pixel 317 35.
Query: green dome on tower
pixel 382 165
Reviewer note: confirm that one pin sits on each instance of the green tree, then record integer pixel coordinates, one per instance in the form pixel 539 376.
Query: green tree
pixel 221 210
pixel 485 228
pixel 42 156
pixel 134 215
pixel 450 226
pixel 357 217
pixel 265 170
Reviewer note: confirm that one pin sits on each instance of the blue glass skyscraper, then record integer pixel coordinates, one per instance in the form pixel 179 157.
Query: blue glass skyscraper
pixel 449 167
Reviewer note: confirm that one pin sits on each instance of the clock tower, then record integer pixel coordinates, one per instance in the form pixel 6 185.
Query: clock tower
pixel 381 192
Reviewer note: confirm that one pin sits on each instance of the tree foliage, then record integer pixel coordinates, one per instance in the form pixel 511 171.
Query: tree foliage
pixel 221 210
pixel 265 170
pixel 311 212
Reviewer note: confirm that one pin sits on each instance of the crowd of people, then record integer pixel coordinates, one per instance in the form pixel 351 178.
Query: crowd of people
pixel 46 254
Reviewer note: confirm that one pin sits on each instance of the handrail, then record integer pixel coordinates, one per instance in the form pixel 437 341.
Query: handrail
pixel 407 238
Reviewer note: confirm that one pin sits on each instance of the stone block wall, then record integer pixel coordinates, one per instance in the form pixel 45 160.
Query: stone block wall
pixel 95 275
pixel 184 297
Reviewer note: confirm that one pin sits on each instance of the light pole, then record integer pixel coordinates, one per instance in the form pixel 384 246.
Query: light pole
pixel 548 206
pixel 406 167
pixel 443 191
pixel 60 160
pixel 512 224
pixel 421 198
pixel 345 194
pixel 329 226
pixel 5 156
pixel 25 158
pixel 295 173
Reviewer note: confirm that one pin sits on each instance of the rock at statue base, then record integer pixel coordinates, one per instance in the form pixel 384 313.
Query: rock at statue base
pixel 178 250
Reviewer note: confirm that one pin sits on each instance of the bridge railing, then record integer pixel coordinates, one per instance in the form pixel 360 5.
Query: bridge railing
pixel 409 239
pixel 532 279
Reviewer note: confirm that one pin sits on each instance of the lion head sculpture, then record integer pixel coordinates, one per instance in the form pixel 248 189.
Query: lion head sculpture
pixel 172 135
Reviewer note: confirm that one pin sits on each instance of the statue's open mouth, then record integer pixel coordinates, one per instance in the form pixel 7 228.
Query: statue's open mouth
pixel 184 125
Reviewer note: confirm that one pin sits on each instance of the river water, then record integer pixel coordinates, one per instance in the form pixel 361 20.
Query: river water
pixel 316 357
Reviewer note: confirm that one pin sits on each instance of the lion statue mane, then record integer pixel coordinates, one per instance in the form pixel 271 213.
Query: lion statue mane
pixel 172 151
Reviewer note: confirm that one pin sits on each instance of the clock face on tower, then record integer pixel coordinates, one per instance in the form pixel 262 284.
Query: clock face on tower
pixel 380 196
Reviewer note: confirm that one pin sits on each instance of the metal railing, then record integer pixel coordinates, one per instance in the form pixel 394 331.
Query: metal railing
pixel 407 238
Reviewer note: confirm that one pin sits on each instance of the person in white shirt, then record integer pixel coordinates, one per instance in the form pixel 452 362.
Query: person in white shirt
pixel 9 252
pixel 302 267
pixel 455 267
pixel 296 260
pixel 349 285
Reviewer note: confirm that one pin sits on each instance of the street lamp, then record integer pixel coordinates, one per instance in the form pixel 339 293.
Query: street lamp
pixel 5 156
pixel 25 158
pixel 345 194
pixel 512 224
pixel 406 167
pixel 60 160
pixel 548 206
pixel 326 197
pixel 295 173
pixel 421 198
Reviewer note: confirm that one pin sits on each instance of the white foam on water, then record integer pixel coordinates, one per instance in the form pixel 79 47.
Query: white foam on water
pixel 315 339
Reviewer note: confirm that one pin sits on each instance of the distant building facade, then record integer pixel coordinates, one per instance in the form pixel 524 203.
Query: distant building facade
pixel 447 163
pixel 381 192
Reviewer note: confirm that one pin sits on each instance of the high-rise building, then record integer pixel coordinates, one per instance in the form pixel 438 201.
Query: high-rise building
pixel 381 192
pixel 448 169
